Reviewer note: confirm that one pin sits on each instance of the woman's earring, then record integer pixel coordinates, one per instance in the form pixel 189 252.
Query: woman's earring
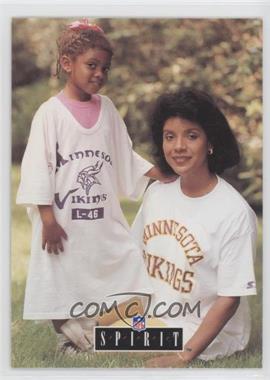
pixel 210 151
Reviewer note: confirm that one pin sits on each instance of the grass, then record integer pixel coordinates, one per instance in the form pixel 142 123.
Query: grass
pixel 33 344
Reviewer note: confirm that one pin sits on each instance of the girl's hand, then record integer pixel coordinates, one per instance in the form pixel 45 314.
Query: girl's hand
pixel 156 173
pixel 52 235
pixel 52 232
pixel 168 178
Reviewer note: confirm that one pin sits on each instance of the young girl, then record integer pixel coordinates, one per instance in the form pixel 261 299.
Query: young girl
pixel 78 161
pixel 198 233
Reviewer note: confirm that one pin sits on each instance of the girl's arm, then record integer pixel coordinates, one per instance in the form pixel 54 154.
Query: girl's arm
pixel 216 318
pixel 52 232
pixel 156 174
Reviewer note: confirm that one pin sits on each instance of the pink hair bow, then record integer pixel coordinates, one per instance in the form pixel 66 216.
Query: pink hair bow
pixel 84 25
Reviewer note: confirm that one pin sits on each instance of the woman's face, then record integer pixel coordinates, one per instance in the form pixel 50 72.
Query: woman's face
pixel 185 147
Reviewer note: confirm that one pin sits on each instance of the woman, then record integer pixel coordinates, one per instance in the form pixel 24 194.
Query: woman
pixel 197 233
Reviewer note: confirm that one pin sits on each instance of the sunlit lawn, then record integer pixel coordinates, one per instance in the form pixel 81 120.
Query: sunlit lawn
pixel 33 345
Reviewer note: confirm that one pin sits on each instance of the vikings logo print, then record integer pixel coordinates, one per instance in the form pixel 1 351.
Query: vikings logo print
pixel 87 177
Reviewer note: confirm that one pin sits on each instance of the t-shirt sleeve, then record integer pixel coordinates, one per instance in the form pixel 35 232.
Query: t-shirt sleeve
pixel 137 228
pixel 139 223
pixel 38 165
pixel 130 167
pixel 236 266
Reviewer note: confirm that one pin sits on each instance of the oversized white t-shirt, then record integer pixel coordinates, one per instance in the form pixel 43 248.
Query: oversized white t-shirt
pixel 197 249
pixel 82 173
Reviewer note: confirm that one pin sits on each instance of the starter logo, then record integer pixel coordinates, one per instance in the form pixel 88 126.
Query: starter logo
pixel 130 339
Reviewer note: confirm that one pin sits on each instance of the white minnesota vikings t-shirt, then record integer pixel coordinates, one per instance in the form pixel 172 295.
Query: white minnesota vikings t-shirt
pixel 82 173
pixel 196 249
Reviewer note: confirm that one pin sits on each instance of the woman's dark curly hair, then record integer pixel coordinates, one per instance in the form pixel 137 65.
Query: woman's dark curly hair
pixel 75 42
pixel 198 107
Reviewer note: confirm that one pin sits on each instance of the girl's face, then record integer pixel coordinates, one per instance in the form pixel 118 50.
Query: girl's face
pixel 185 147
pixel 87 73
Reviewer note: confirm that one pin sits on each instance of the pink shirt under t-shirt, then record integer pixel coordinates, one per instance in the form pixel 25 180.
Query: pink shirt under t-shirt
pixel 86 113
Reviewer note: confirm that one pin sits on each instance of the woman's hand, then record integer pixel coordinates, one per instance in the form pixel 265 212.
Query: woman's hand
pixel 175 360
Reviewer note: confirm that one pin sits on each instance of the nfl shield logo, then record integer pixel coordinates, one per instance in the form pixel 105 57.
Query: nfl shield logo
pixel 138 323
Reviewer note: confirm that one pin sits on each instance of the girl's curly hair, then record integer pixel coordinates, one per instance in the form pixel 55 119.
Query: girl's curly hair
pixel 75 42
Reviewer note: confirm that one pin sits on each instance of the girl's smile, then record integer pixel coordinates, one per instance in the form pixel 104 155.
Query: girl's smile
pixel 87 73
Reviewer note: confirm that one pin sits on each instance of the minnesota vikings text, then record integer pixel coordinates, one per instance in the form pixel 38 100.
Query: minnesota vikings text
pixel 61 161
pixel 185 239
pixel 164 270
pixel 82 199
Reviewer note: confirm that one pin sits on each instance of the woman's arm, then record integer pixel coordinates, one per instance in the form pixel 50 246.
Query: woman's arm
pixel 216 318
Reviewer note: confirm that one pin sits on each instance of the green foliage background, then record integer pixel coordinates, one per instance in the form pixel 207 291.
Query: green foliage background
pixel 222 56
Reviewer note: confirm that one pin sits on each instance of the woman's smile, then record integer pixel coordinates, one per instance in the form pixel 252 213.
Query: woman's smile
pixel 180 160
pixel 185 147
